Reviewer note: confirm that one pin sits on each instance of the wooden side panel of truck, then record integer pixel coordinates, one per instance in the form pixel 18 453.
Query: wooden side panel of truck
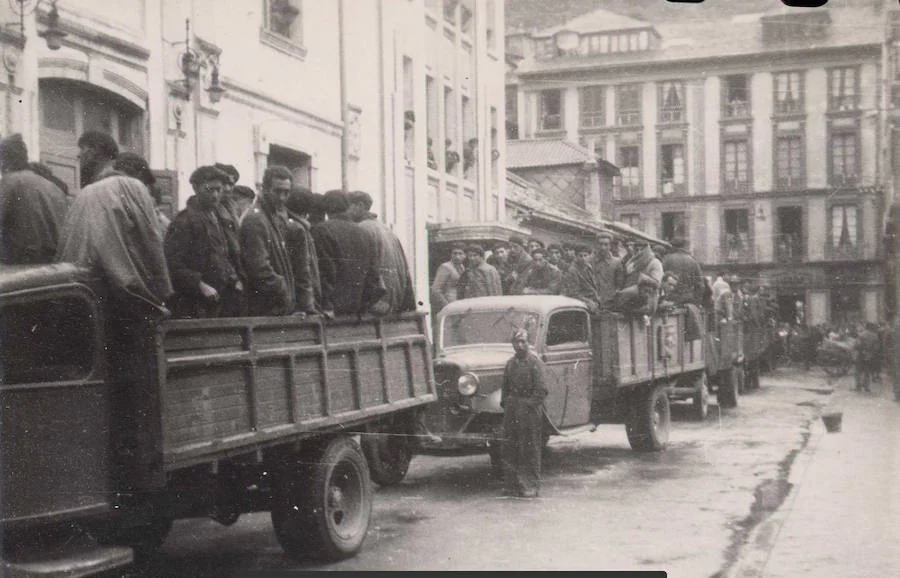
pixel 230 385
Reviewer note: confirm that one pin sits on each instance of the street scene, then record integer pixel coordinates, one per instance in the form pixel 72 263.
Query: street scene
pixel 402 285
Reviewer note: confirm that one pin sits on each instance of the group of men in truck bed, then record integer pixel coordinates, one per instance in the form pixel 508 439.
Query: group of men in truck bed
pixel 229 252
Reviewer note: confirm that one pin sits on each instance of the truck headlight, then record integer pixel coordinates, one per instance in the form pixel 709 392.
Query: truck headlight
pixel 467 384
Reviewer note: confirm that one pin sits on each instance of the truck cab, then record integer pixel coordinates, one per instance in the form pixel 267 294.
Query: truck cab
pixel 611 368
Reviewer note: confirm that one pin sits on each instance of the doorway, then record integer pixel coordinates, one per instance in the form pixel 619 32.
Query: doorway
pixel 789 234
pixel 300 164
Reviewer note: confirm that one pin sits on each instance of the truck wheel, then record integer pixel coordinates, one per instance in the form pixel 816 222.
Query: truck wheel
pixel 323 506
pixel 648 424
pixel 727 395
pixel 388 452
pixel 700 399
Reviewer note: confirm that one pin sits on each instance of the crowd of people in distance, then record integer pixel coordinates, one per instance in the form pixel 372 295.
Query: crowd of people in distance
pixel 230 252
pixel 628 275
pixel 865 343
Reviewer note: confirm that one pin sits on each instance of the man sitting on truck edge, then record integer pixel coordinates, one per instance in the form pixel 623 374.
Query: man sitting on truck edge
pixel 643 276
pixel 522 399
pixel 270 278
pixel 205 267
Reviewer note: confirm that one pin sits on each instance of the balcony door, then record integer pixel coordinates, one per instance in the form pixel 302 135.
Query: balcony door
pixel 789 235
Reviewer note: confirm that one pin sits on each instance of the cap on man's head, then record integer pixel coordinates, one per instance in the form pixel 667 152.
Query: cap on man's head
pixel 360 197
pixel 538 241
pixel 335 202
pixel 605 235
pixel 474 248
pixel 208 173
pixel 229 170
pixel 13 153
pixel 100 142
pixel 517 240
pixel 554 247
pixel 244 191
pixel 301 201
pixel 582 249
pixel 538 250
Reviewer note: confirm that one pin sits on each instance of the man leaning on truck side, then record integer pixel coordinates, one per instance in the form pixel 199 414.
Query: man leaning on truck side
pixel 522 399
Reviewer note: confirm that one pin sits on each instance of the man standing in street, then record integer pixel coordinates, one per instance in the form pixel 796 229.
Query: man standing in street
pixel 267 265
pixel 32 208
pixel 445 287
pixel 522 399
pixel 205 266
pixel 479 279
pixel 389 255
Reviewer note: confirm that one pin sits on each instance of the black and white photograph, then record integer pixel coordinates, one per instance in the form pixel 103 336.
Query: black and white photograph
pixel 293 286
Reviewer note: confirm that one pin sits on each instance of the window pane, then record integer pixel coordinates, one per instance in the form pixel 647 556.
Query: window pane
pixel 58 108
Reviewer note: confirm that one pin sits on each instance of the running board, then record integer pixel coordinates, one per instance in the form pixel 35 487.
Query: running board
pixel 574 430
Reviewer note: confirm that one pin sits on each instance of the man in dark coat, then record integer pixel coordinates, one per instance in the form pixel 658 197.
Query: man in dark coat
pixel 516 263
pixel 643 277
pixel 579 281
pixel 302 248
pixel 267 265
pixel 390 256
pixel 205 267
pixel 867 346
pixel 690 277
pixel 522 399
pixel 351 284
pixel 32 208
pixel 541 278
pixel 479 279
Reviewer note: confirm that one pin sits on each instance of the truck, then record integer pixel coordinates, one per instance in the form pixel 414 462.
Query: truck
pixel 111 432
pixel 610 368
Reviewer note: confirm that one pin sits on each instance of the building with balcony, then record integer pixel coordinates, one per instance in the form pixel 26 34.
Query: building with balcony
pixel 755 136
pixel 400 98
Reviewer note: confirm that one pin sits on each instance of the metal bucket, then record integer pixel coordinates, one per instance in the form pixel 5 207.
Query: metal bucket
pixel 833 421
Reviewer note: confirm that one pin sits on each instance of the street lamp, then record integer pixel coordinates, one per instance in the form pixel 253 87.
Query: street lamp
pixel 191 62
pixel 53 35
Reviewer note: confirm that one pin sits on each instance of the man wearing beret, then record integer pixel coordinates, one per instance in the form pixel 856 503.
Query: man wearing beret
pixel 204 261
pixel 264 253
pixel 522 399
pixel 479 278
pixel 643 277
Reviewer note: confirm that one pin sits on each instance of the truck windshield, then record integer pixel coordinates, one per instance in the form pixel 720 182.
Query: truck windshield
pixel 475 327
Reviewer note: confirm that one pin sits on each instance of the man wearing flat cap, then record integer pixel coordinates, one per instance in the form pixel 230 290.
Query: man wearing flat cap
pixel 479 278
pixel 522 399
pixel 203 253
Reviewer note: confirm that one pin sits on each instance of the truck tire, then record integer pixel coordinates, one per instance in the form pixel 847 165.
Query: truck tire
pixel 388 451
pixel 323 506
pixel 700 408
pixel 727 394
pixel 648 423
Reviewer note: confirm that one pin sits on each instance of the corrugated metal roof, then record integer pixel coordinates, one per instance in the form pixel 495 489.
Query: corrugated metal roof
pixel 521 154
